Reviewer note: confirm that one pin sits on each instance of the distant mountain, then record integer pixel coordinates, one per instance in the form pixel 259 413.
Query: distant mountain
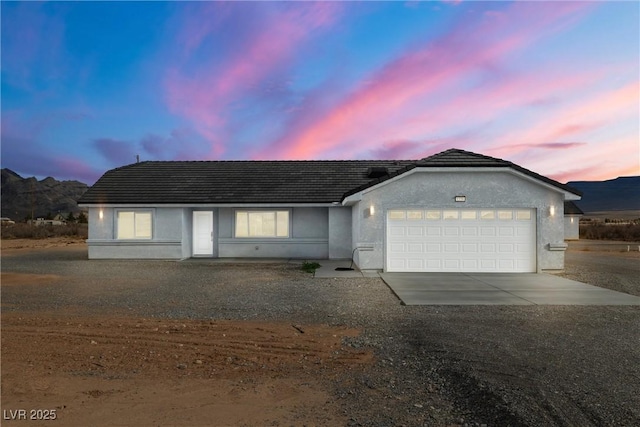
pixel 618 194
pixel 21 195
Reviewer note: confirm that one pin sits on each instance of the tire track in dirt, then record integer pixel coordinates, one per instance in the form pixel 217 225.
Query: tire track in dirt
pixel 146 347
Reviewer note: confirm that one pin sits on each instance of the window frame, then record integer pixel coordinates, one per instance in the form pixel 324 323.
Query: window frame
pixel 274 211
pixel 150 212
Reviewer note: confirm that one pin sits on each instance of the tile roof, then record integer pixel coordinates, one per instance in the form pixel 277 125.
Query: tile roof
pixel 196 182
pixel 312 181
pixel 463 159
pixel 571 208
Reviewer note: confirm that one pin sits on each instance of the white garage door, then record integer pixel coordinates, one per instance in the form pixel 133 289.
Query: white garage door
pixel 469 240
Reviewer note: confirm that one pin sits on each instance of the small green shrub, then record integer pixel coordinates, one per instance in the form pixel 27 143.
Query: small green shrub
pixel 310 267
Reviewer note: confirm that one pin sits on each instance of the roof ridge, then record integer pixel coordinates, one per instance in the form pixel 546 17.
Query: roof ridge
pixel 460 151
pixel 273 161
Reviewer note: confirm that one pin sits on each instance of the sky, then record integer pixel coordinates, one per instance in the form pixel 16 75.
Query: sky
pixel 553 86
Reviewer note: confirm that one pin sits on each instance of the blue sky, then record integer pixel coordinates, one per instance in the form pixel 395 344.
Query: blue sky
pixel 552 86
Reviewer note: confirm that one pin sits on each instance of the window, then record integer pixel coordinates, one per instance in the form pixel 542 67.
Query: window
pixel 450 214
pixel 433 214
pixel 505 215
pixel 134 225
pixel 487 215
pixel 526 215
pixel 396 215
pixel 262 223
pixel 468 214
pixel 414 214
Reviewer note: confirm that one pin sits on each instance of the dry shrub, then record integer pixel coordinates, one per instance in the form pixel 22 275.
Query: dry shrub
pixel 27 231
pixel 600 231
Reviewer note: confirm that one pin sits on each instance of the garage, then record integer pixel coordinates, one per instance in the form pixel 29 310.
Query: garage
pixel 461 240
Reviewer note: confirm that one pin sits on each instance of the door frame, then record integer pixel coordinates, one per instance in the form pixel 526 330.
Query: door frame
pixel 533 235
pixel 194 233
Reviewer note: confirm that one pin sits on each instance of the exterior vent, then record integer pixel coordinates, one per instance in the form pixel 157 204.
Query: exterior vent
pixel 377 172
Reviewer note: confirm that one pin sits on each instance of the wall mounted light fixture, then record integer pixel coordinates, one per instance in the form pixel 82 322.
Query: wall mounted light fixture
pixel 372 210
pixel 101 214
pixel 461 198
pixel 552 210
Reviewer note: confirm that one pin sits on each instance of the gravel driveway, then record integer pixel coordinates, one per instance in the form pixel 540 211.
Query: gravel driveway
pixel 447 365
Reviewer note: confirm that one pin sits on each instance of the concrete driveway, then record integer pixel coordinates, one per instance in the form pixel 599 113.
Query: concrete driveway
pixel 499 289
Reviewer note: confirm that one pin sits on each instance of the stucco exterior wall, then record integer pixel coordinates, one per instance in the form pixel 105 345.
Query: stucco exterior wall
pixel 572 227
pixel 309 237
pixel 187 235
pixel 438 189
pixel 172 235
pixel 339 229
pixel 166 241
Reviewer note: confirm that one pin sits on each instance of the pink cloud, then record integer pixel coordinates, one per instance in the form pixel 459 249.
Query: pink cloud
pixel 591 173
pixel 568 121
pixel 374 111
pixel 22 154
pixel 75 169
pixel 396 150
pixel 206 97
pixel 593 161
pixel 415 150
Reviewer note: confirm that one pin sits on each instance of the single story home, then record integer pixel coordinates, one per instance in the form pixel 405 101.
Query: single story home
pixel 572 215
pixel 455 211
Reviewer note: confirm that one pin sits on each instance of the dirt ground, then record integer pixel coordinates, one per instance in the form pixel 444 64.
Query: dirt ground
pixel 203 344
pixel 82 370
pixel 111 371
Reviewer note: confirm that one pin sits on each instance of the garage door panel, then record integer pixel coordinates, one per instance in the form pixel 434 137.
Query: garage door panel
pixel 397 231
pixel 469 264
pixel 415 247
pixel 451 264
pixel 451 231
pixel 487 248
pixel 415 264
pixel 506 264
pixel 470 248
pixel 487 231
pixel 498 240
pixel 451 248
pixel 433 264
pixel 415 231
pixel 398 247
pixel 434 247
pixel 470 231
pixel 488 264
pixel 506 248
pixel 505 231
pixel 396 264
pixel 434 231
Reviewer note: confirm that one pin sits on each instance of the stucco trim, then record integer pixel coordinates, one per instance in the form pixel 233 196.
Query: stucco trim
pixel 279 241
pixel 132 242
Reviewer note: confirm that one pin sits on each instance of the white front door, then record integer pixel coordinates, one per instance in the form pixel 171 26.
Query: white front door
pixel 202 233
pixel 455 240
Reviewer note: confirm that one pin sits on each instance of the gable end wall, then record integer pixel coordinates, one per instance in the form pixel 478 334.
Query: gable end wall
pixel 426 189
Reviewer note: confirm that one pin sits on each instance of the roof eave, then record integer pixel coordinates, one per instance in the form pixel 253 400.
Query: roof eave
pixel 568 192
